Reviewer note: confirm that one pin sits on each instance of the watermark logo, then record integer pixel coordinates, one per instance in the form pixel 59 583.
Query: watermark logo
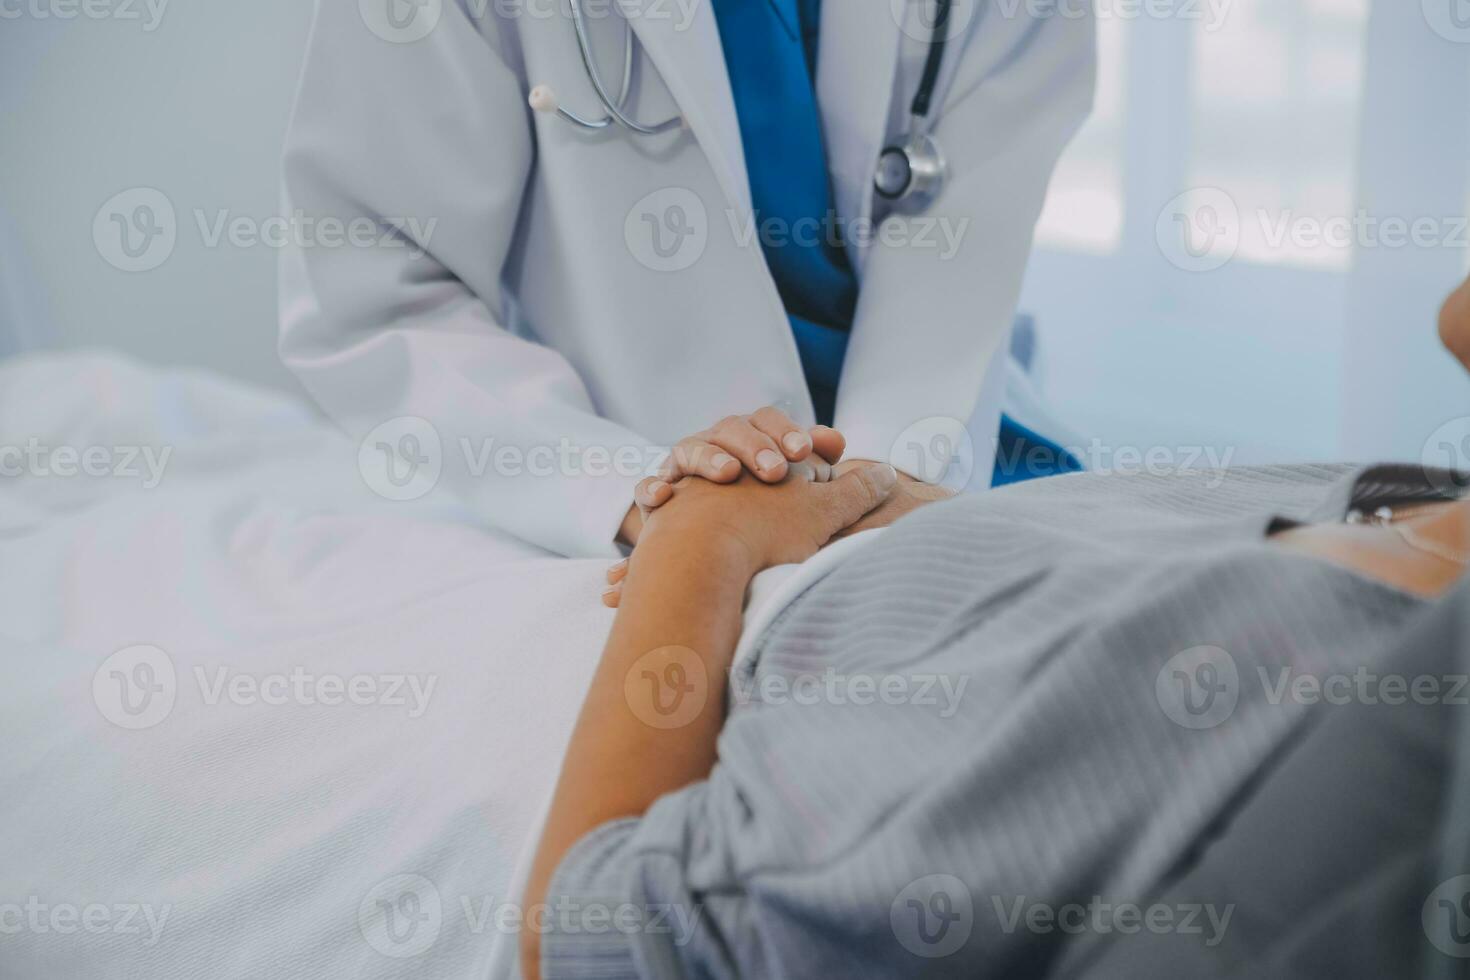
pixel 95 919
pixel 1305 233
pixel 919 18
pixel 402 459
pixel 1208 463
pixel 1198 688
pixel 940 692
pixel 301 230
pixel 1363 686
pixel 147 12
pixel 401 915
pixel 933 916
pixel 136 687
pixel 1210 15
pixel 668 230
pixel 404 915
pixel 1446 917
pixel 401 21
pixel 680 13
pixel 1102 918
pixel 136 230
pixel 940 235
pixel 1450 19
pixel 145 464
pixel 305 688
pixel 667 688
pixel 1446 457
pixel 1203 230
pixel 1200 230
pixel 936 450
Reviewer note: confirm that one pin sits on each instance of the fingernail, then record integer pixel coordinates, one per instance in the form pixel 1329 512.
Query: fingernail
pixel 721 460
pixel 608 596
pixel 619 565
pixel 884 477
pixel 768 459
pixel 796 442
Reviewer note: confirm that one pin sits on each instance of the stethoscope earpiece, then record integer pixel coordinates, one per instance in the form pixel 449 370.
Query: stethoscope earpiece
pixel 543 99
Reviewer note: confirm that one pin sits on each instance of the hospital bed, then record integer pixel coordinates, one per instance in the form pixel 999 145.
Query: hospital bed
pixel 258 720
pixel 191 812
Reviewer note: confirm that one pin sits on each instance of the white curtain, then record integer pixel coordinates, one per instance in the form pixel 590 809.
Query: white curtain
pixel 1247 245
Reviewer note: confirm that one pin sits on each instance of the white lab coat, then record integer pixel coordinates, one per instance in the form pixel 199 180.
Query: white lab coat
pixel 537 314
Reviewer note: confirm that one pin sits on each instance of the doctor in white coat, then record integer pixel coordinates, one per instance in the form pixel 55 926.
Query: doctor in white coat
pixel 550 304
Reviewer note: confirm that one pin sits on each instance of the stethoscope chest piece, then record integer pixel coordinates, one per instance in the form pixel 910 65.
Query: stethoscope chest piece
pixel 910 174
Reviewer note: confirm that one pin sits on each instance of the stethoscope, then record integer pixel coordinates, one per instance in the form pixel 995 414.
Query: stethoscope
pixel 910 173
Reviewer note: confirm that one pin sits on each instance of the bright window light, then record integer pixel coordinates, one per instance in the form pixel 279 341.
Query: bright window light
pixel 1084 208
pixel 1276 96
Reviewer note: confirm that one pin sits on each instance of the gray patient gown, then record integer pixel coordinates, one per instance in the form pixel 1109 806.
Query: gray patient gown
pixel 981 746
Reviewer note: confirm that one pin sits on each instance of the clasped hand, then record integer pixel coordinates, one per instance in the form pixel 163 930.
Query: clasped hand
pixel 760 491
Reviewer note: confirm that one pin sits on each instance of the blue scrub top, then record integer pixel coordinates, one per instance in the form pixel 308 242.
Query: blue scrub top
pixel 771 53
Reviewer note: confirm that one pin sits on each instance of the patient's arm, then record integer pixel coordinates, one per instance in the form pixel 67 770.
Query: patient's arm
pixel 679 622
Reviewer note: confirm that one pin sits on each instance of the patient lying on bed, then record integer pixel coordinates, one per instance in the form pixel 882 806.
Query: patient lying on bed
pixel 1070 727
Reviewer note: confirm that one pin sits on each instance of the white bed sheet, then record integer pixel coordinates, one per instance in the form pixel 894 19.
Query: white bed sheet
pixel 231 836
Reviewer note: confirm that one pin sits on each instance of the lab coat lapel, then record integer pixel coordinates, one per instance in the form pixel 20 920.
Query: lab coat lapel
pixel 856 66
pixel 692 63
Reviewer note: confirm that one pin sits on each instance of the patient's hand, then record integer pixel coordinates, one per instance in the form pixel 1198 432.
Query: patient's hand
pixel 758 526
pixel 908 496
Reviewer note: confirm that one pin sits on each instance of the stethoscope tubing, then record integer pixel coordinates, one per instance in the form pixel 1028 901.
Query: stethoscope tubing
pixel 923 165
pixel 613 107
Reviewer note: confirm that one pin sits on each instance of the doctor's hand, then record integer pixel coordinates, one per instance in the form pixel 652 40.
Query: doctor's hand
pixel 762 444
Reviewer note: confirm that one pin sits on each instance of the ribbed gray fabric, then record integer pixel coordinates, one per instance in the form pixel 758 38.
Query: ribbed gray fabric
pixel 1033 751
pixel 1336 861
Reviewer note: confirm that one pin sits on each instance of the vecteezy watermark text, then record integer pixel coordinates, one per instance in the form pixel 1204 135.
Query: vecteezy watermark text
pixel 302 687
pixel 938 234
pixel 1363 686
pixel 149 13
pixel 137 687
pixel 1211 14
pixel 43 461
pixel 830 687
pixel 403 915
pixel 1204 228
pixel 403 458
pixel 94 918
pixel 1126 918
pixel 1210 462
pixel 137 230
pixel 669 229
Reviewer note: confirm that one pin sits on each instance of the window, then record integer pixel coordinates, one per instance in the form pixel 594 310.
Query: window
pixel 1274 123
pixel 1084 209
